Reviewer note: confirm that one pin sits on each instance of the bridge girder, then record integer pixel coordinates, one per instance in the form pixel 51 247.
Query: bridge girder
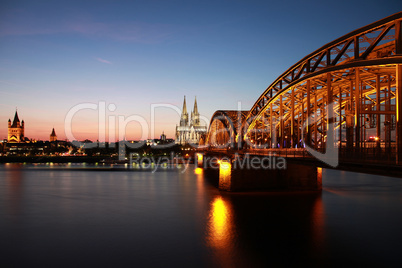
pixel 353 82
pixel 375 41
pixel 224 128
pixel 357 74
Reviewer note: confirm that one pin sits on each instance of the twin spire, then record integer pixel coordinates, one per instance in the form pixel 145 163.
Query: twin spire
pixel 184 111
pixel 190 131
pixel 195 106
pixel 194 114
pixel 195 110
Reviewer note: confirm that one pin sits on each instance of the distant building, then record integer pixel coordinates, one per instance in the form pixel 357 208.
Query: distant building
pixel 53 136
pixel 16 130
pixel 163 137
pixel 189 131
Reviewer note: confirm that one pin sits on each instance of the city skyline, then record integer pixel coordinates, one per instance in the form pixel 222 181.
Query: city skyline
pixel 133 54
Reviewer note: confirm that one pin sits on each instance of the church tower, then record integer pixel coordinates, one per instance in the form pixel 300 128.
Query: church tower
pixel 195 116
pixel 53 136
pixel 184 114
pixel 16 129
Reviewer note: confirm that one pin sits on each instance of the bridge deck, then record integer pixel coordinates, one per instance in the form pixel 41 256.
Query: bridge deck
pixel 368 160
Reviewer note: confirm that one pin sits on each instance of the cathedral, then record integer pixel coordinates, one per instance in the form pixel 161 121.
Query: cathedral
pixel 16 130
pixel 189 131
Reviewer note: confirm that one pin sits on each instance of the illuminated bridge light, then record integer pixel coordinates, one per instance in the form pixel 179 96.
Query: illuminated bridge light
pixel 198 171
pixel 200 159
pixel 225 173
pixel 225 166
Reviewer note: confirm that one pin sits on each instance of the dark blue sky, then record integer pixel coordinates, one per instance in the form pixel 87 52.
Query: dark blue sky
pixel 56 54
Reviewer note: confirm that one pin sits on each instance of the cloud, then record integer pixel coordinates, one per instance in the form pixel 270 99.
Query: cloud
pixel 103 60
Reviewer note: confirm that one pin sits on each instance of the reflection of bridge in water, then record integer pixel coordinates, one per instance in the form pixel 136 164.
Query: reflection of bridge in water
pixel 341 102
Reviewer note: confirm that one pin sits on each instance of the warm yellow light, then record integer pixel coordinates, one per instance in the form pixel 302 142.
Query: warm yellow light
pixel 376 138
pixel 225 165
pixel 220 231
pixel 199 157
pixel 225 173
pixel 198 171
pixel 219 217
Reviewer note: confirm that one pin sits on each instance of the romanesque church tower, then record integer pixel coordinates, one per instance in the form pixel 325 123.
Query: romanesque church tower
pixel 53 136
pixel 16 129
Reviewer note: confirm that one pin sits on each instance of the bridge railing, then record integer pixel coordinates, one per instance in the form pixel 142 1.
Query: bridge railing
pixel 285 152
pixel 369 155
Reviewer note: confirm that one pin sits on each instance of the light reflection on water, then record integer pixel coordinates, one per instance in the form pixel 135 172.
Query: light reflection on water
pixel 14 193
pixel 220 223
pixel 318 226
pixel 220 231
pixel 181 219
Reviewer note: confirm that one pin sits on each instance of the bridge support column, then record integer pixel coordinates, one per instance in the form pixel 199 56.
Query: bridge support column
pixel 200 160
pixel 289 177
pixel 357 110
pixel 378 117
pixel 308 120
pixel 281 124
pixel 398 113
pixel 349 112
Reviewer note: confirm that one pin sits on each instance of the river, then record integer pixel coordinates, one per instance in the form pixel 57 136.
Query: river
pixel 88 217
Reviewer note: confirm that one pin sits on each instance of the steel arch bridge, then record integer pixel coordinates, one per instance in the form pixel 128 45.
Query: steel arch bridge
pixel 225 129
pixel 351 86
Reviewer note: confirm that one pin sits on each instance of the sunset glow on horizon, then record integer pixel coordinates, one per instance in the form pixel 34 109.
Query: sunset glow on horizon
pixel 138 55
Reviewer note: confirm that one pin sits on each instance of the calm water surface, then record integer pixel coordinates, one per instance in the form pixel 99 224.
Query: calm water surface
pixel 81 218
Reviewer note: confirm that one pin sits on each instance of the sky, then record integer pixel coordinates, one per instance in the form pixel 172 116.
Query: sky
pixel 82 66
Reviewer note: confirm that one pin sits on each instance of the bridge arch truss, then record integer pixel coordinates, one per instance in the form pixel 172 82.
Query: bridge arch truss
pixel 354 82
pixel 225 129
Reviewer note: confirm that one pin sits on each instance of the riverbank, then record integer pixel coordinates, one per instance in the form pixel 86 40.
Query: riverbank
pixel 90 159
pixel 53 159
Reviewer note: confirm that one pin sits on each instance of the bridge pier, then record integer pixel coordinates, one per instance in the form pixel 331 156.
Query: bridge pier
pixel 200 160
pixel 295 177
pixel 275 175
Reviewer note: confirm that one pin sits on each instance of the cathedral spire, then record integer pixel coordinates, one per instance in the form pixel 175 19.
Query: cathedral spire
pixel 184 114
pixel 184 111
pixel 195 106
pixel 189 132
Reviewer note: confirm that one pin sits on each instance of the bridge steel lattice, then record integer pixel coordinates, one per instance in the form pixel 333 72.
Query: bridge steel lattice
pixel 353 82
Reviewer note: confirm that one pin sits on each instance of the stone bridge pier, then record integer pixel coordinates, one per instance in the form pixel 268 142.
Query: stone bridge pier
pixel 261 173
